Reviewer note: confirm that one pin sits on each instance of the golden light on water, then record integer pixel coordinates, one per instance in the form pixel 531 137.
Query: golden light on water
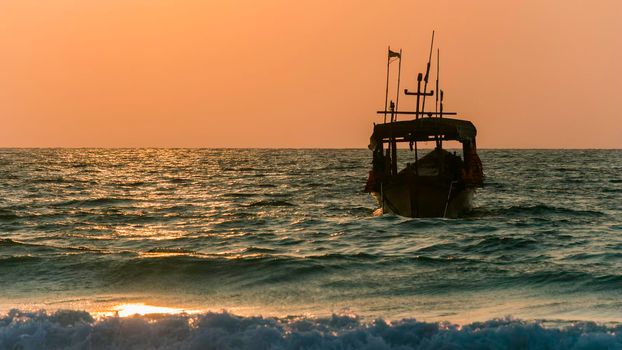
pixel 125 310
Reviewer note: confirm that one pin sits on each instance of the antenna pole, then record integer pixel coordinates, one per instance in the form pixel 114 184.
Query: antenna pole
pixel 397 93
pixel 393 144
pixel 438 68
pixel 427 73
pixel 386 94
pixel 439 143
pixel 441 111
pixel 418 95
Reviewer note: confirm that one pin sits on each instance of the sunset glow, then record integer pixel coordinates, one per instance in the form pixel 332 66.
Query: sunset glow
pixel 274 73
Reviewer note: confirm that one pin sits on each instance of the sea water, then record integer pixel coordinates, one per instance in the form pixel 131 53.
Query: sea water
pixel 279 249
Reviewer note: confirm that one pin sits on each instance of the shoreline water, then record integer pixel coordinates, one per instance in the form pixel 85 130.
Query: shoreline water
pixel 552 311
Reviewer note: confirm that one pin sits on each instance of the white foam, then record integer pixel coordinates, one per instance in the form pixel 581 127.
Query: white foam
pixel 78 329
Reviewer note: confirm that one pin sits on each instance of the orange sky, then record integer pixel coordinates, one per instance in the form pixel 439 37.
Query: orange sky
pixel 248 73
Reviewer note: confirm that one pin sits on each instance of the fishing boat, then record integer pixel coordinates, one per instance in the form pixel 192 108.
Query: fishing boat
pixel 440 183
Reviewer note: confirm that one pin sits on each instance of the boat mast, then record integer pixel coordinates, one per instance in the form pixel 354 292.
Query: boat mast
pixel 427 74
pixel 417 117
pixel 390 55
pixel 386 94
pixel 397 92
pixel 394 116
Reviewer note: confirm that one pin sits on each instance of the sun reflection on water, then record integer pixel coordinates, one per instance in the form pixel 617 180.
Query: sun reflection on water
pixel 141 309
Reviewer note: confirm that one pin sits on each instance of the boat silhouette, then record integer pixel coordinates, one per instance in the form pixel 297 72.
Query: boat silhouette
pixel 439 184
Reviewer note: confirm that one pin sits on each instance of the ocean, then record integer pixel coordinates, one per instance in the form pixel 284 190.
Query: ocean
pixel 280 249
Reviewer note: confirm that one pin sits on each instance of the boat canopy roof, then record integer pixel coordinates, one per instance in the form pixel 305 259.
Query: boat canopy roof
pixel 423 128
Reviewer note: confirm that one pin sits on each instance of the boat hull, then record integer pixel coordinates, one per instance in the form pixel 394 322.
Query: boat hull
pixel 425 199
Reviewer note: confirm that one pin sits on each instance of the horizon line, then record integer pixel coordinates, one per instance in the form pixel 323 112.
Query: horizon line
pixel 291 148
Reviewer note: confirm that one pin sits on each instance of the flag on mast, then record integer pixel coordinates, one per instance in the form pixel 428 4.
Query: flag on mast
pixel 394 54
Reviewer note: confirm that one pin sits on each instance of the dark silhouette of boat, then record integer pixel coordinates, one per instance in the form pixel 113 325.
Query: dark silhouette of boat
pixel 439 184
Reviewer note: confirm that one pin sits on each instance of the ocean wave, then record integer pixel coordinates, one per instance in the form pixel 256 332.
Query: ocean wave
pixel 579 280
pixel 8 243
pixel 7 215
pixel 253 266
pixel 258 250
pixel 53 180
pixel 78 329
pixel 594 257
pixel 178 180
pixel 133 184
pixel 271 203
pixel 543 210
pixel 17 259
pixel 192 269
pixel 95 202
pixel 240 194
pixel 499 243
pixel 168 250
